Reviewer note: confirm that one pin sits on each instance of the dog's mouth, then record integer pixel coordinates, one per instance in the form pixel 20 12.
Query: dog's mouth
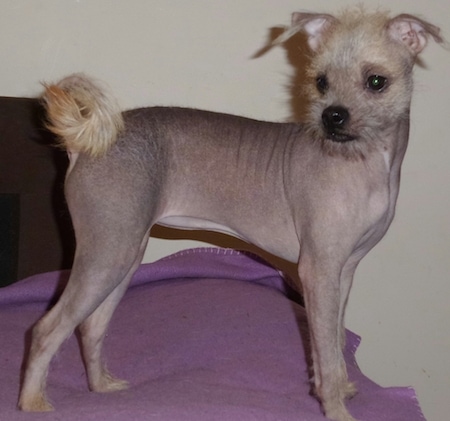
pixel 340 137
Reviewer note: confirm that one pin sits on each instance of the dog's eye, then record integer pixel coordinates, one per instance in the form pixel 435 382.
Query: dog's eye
pixel 376 83
pixel 322 84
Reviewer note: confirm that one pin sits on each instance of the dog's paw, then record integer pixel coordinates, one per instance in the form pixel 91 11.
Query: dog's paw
pixel 339 413
pixel 108 383
pixel 116 385
pixel 349 390
pixel 35 404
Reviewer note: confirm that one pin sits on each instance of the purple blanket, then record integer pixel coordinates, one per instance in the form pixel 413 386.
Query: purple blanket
pixel 205 334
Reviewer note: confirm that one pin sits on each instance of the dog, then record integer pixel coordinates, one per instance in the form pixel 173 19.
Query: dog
pixel 320 193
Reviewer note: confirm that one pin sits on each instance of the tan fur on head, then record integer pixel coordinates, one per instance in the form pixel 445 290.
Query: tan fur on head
pixel 83 115
pixel 347 50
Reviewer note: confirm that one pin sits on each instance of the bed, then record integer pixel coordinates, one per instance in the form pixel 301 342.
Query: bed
pixel 35 230
pixel 205 334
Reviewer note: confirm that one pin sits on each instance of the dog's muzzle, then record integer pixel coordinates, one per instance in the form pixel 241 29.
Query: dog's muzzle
pixel 335 119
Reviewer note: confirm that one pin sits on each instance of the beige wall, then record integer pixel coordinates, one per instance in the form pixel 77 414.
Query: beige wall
pixel 198 53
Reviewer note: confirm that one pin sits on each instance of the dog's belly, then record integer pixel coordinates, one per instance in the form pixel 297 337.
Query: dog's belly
pixel 281 242
pixel 192 223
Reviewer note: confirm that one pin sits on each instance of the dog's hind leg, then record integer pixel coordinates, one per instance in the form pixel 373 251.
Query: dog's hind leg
pixel 92 332
pixel 89 288
pixel 110 236
pixel 92 293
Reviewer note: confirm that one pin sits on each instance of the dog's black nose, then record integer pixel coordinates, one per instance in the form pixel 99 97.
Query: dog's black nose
pixel 334 118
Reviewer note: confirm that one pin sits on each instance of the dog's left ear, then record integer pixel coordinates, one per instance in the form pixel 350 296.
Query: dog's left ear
pixel 315 25
pixel 413 32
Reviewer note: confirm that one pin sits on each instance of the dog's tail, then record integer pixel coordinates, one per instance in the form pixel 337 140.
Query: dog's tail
pixel 84 116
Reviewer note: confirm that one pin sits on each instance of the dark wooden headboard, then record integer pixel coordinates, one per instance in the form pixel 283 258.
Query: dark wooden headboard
pixel 35 229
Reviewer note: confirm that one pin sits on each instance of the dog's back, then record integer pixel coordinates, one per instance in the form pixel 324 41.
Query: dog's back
pixel 195 169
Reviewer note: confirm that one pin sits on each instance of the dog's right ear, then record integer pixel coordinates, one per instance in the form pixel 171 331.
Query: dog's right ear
pixel 315 25
pixel 413 32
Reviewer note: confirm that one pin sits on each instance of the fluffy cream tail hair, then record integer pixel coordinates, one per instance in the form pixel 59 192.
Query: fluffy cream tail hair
pixel 84 116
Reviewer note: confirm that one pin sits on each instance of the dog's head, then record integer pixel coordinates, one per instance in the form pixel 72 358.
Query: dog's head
pixel 360 74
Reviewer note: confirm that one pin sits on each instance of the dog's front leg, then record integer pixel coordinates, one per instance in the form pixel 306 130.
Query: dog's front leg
pixel 321 284
pixel 345 284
